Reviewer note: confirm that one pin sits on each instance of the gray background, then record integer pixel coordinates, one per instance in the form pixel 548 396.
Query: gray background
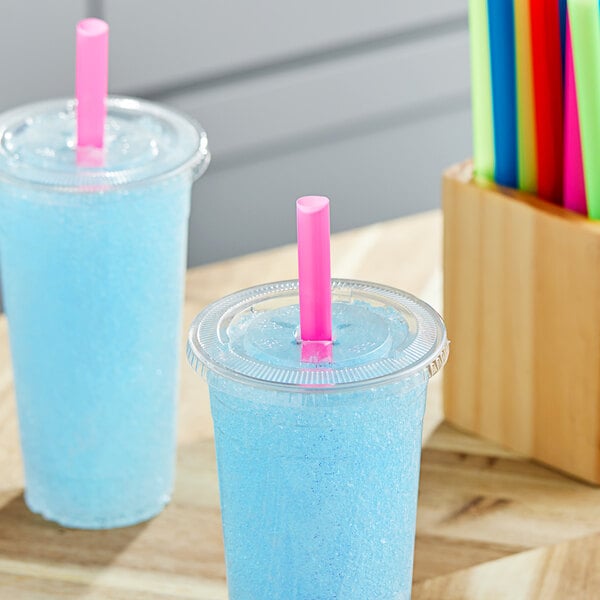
pixel 365 102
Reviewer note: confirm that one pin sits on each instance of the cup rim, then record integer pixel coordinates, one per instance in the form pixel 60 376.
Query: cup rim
pixel 90 181
pixel 204 341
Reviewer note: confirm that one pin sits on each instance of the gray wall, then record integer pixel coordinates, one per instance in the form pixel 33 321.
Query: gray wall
pixel 365 102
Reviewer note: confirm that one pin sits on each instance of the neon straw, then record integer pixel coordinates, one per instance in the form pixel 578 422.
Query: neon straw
pixel 526 146
pixel 314 277
pixel 574 182
pixel 548 86
pixel 91 82
pixel 584 17
pixel 504 101
pixel 481 91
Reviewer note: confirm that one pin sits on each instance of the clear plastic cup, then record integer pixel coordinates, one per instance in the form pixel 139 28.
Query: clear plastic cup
pixel 318 463
pixel 93 262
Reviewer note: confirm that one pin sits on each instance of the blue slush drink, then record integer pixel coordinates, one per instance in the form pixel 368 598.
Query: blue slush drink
pixel 318 464
pixel 93 262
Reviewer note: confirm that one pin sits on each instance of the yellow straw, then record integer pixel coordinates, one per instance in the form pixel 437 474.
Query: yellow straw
pixel 526 138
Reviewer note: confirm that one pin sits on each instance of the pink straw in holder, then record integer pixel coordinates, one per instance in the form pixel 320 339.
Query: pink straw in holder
pixel 91 88
pixel 314 278
pixel 573 180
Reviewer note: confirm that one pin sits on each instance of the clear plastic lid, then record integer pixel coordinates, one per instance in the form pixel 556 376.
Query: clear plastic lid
pixel 381 335
pixel 143 142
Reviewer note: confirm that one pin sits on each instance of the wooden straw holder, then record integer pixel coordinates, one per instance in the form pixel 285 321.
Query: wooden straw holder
pixel 522 307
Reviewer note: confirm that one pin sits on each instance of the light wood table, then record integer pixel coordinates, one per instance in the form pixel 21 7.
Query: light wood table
pixel 491 525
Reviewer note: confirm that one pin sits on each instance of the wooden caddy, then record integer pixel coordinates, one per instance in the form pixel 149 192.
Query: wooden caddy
pixel 522 307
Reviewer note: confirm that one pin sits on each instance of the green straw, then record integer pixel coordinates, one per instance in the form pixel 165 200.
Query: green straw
pixel 527 148
pixel 584 16
pixel 481 90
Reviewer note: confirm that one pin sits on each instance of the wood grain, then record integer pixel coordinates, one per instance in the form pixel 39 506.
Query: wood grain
pixel 568 570
pixel 521 306
pixel 480 506
pixel 478 502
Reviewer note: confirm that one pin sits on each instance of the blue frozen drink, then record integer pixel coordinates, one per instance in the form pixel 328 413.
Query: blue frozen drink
pixel 318 464
pixel 92 262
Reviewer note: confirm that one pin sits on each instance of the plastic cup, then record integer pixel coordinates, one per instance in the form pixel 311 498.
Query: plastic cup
pixel 93 262
pixel 318 463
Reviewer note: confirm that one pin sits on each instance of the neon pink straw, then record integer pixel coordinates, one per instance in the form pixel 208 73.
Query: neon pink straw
pixel 91 82
pixel 314 277
pixel 574 197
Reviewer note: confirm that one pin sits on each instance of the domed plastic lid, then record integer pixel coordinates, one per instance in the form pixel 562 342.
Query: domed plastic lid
pixel 143 142
pixel 380 335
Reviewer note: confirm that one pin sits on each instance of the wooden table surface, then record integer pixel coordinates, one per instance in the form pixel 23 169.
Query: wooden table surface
pixel 491 525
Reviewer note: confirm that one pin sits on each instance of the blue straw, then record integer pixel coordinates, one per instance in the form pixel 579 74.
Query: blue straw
pixel 504 94
pixel 562 8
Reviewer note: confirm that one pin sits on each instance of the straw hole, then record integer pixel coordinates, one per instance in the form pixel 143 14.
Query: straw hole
pixel 312 203
pixel 92 27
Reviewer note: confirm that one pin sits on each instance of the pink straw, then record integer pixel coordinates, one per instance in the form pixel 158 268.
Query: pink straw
pixel 91 83
pixel 314 278
pixel 574 197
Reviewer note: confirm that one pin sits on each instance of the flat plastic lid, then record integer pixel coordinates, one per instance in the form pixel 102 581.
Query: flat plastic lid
pixel 380 335
pixel 143 142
